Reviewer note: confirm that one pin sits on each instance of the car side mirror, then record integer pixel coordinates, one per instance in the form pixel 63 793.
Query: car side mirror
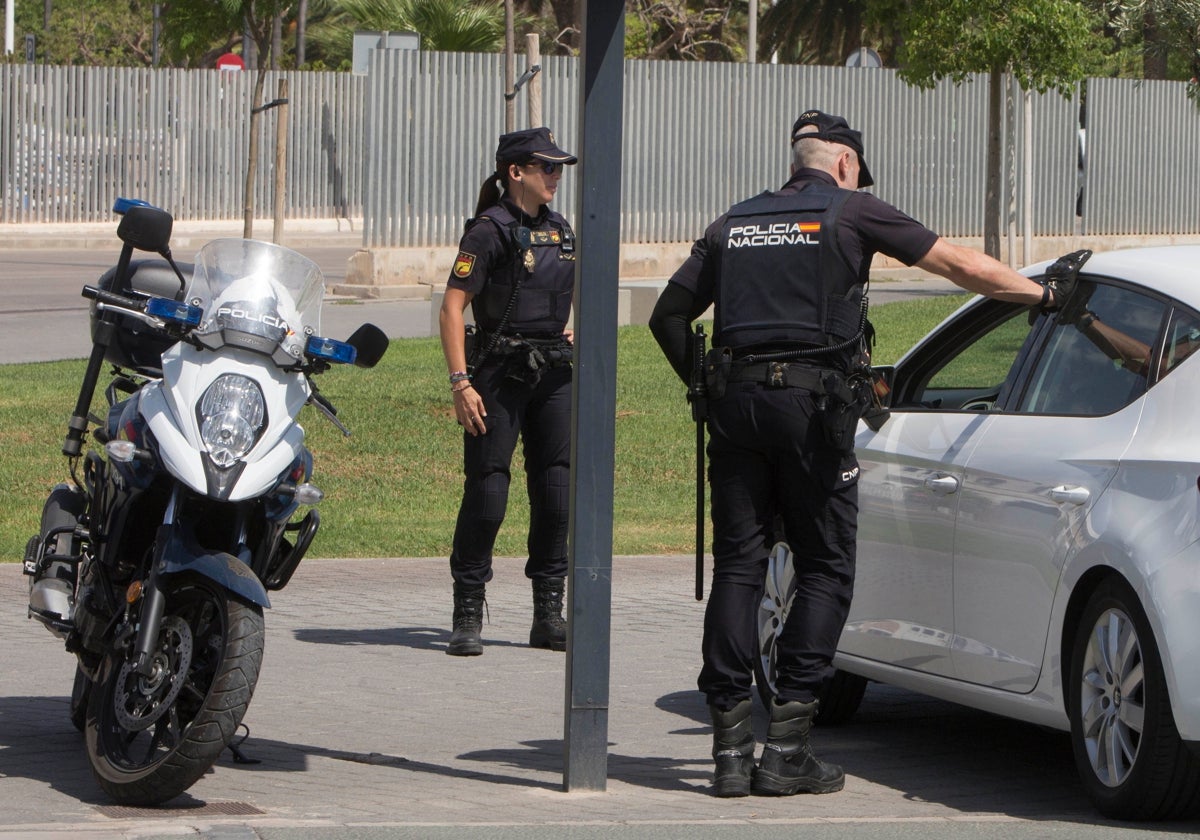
pixel 883 379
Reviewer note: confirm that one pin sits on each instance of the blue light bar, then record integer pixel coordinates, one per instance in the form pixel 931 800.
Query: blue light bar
pixel 330 350
pixel 122 205
pixel 174 310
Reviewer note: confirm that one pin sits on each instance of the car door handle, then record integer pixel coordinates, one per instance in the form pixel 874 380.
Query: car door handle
pixel 942 484
pixel 1071 495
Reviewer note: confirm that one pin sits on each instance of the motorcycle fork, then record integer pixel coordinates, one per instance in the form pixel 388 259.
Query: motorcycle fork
pixel 154 603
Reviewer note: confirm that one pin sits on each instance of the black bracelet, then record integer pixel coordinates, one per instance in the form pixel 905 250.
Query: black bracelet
pixel 1045 296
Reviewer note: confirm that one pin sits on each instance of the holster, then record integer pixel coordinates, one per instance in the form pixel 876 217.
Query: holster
pixel 718 362
pixel 845 401
pixel 526 360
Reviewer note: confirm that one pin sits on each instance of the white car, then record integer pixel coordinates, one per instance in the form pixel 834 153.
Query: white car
pixel 1029 531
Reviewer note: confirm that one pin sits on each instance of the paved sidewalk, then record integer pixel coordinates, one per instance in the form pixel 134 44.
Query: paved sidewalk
pixel 361 721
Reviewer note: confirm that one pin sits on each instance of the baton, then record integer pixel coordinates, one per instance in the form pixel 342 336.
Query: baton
pixel 698 397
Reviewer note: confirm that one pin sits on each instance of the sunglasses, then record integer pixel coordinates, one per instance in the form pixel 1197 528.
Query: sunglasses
pixel 548 168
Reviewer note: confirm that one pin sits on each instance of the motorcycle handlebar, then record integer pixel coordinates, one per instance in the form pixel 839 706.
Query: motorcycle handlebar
pixel 113 299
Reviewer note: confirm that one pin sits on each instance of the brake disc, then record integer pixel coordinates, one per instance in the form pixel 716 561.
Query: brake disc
pixel 138 700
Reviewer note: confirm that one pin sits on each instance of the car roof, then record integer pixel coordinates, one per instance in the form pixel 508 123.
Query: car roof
pixel 1173 270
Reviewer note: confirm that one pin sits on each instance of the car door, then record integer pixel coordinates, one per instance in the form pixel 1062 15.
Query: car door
pixel 912 470
pixel 1044 458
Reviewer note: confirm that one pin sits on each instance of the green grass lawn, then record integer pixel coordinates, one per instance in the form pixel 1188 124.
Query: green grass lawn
pixel 392 488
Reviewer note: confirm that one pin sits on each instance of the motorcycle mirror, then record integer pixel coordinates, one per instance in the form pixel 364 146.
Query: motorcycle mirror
pixel 371 343
pixel 146 228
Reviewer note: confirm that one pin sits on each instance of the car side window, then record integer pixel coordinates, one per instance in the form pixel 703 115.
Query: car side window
pixel 972 376
pixel 1183 338
pixel 1099 355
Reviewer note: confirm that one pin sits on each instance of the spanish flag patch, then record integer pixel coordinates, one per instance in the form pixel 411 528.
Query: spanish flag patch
pixel 463 264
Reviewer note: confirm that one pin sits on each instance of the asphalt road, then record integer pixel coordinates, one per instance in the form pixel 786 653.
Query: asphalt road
pixel 43 317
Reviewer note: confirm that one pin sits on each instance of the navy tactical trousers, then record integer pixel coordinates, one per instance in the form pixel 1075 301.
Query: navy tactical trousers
pixel 541 416
pixel 768 459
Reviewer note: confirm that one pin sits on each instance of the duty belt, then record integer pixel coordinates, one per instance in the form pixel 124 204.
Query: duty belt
pixel 782 375
pixel 555 351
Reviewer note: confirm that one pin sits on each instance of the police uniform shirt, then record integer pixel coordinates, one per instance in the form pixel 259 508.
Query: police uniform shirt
pixel 482 249
pixel 866 226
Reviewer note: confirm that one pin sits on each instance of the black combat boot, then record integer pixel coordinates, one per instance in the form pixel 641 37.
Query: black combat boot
pixel 468 621
pixel 733 750
pixel 788 765
pixel 549 630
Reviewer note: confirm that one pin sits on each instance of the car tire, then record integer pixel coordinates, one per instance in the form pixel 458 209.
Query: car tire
pixel 1133 764
pixel 841 697
pixel 843 692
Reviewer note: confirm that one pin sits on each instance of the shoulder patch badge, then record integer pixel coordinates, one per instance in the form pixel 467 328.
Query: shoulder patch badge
pixel 463 264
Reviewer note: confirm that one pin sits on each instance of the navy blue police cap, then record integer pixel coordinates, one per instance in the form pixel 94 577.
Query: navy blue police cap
pixel 531 144
pixel 834 130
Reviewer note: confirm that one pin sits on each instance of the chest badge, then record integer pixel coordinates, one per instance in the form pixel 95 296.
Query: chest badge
pixel 529 261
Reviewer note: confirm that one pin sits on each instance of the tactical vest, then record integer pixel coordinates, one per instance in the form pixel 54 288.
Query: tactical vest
pixel 783 281
pixel 543 302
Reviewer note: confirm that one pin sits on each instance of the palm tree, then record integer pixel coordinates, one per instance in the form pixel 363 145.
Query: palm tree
pixel 448 25
pixel 818 31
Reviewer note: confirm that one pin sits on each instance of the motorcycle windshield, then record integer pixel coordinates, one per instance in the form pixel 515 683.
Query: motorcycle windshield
pixel 257 296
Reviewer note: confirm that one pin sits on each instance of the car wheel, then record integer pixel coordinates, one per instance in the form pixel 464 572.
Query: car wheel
pixel 843 692
pixel 1133 764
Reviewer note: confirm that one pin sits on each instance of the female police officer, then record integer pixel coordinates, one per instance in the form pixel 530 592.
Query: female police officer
pixel 516 268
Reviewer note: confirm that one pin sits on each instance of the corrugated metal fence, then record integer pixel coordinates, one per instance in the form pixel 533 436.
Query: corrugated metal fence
pixel 407 146
pixel 74 138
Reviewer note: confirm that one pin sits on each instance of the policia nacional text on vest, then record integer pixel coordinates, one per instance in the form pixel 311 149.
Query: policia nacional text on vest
pixel 791 310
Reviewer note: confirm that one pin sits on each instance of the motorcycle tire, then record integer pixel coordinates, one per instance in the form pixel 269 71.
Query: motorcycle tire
pixel 151 738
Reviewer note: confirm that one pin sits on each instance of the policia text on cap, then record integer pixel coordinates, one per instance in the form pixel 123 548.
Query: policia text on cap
pixel 787 272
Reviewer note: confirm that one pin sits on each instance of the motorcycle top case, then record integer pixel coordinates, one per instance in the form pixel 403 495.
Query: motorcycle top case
pixel 136 346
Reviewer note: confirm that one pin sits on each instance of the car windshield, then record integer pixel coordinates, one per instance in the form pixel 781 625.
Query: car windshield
pixel 256 295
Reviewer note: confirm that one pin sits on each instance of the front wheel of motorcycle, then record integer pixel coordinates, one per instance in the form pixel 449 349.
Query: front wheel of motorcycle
pixel 149 738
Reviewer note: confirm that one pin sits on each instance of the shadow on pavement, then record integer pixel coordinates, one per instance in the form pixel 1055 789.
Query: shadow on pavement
pixel 417 638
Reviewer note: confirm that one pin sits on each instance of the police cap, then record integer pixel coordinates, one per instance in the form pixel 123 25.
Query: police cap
pixel 529 144
pixel 834 130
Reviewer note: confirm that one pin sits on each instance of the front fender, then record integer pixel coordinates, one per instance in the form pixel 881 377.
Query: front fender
pixel 184 556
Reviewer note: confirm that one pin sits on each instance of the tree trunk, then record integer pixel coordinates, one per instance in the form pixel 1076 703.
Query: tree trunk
pixel 1154 52
pixel 252 155
pixel 301 31
pixel 991 207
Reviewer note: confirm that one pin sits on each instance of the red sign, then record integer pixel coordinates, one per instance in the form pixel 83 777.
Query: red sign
pixel 231 61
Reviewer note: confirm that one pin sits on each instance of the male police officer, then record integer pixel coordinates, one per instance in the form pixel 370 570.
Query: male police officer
pixel 787 272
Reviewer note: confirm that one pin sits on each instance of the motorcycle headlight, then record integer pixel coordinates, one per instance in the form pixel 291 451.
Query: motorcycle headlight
pixel 231 417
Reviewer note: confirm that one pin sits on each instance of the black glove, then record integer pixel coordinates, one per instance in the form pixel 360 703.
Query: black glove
pixel 1061 277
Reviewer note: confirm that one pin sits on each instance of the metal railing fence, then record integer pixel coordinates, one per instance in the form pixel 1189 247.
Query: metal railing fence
pixel 406 147
pixel 73 138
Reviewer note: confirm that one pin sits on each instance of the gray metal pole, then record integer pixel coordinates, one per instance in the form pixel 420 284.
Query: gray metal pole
pixel 595 395
pixel 510 74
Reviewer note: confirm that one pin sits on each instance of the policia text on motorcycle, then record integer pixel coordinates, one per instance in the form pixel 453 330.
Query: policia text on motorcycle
pixel 510 375
pixel 787 380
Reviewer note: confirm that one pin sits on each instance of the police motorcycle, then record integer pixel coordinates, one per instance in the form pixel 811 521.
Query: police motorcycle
pixel 154 561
